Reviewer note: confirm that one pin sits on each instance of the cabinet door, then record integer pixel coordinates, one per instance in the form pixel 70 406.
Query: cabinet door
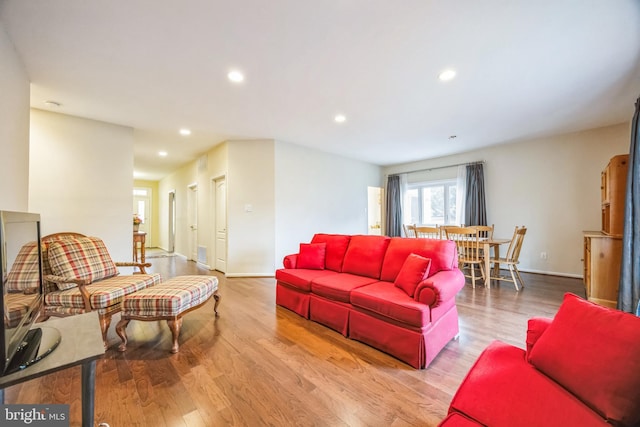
pixel 616 188
pixel 605 256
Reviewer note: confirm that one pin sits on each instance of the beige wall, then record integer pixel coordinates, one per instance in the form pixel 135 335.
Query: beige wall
pixel 81 177
pixel 251 208
pixel 319 192
pixel 278 195
pixel 551 185
pixel 14 129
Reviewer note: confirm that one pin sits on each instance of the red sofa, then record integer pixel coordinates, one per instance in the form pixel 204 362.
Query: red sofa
pixel 580 369
pixel 394 294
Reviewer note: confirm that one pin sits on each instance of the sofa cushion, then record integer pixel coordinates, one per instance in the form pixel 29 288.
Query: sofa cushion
pixel 364 255
pixel 25 271
pixel 311 256
pixel 503 390
pixel 300 278
pixel 103 294
pixel 336 248
pixel 338 287
pixel 442 253
pixel 385 299
pixel 414 270
pixel 84 258
pixel 594 352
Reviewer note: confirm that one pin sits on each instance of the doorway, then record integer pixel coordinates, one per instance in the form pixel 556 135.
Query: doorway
pixel 374 210
pixel 142 207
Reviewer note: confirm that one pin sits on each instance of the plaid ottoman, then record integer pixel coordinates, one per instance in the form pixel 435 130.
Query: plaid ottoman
pixel 168 301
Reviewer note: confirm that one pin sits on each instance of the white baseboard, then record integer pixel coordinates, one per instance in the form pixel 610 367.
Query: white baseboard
pixel 249 274
pixel 550 273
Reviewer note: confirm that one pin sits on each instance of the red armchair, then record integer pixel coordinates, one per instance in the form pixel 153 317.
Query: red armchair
pixel 580 369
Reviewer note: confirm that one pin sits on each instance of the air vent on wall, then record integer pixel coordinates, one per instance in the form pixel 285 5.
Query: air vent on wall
pixel 203 163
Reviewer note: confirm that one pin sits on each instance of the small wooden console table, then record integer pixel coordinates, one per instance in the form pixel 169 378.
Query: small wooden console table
pixel 139 237
pixel 81 344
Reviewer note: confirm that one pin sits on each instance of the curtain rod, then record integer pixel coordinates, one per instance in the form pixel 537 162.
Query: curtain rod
pixel 439 167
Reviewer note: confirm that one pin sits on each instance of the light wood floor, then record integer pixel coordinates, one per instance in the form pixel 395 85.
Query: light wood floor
pixel 262 365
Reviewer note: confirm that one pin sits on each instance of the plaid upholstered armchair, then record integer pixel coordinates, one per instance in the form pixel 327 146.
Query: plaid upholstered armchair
pixel 80 276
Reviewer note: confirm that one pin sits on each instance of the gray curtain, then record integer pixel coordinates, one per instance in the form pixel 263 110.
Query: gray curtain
pixel 394 207
pixel 629 287
pixel 475 205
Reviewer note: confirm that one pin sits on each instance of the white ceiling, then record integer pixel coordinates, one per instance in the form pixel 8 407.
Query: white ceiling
pixel 525 69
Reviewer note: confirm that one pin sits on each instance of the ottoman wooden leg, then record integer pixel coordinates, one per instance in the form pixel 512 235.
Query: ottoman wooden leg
pixel 215 306
pixel 121 330
pixel 175 326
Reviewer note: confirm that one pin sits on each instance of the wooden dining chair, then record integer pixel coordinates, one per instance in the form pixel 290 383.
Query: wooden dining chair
pixel 484 231
pixel 467 241
pixel 409 230
pixel 426 232
pixel 511 259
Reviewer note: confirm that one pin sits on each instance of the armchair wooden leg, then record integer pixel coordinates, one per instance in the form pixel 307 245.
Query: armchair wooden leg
pixel 105 322
pixel 121 330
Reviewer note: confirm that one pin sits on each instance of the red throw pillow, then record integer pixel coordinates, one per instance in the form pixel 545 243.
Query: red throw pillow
pixel 311 256
pixel 413 271
pixel 594 352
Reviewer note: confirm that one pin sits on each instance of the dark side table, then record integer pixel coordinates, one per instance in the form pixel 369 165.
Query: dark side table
pixel 81 344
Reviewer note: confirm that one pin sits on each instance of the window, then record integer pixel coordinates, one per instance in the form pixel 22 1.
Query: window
pixel 431 203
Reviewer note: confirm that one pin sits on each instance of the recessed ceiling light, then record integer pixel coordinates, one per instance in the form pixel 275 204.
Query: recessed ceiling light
pixel 340 118
pixel 52 104
pixel 137 174
pixel 185 132
pixel 235 76
pixel 162 153
pixel 447 75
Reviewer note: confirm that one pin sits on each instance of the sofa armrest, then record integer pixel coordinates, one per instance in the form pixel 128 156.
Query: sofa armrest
pixel 290 261
pixel 535 328
pixel 442 286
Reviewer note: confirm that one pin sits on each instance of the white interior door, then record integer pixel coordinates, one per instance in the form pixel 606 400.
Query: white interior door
pixel 172 221
pixel 192 213
pixel 142 208
pixel 221 225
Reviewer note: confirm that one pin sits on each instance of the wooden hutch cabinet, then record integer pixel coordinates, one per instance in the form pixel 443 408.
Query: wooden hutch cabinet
pixel 603 249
